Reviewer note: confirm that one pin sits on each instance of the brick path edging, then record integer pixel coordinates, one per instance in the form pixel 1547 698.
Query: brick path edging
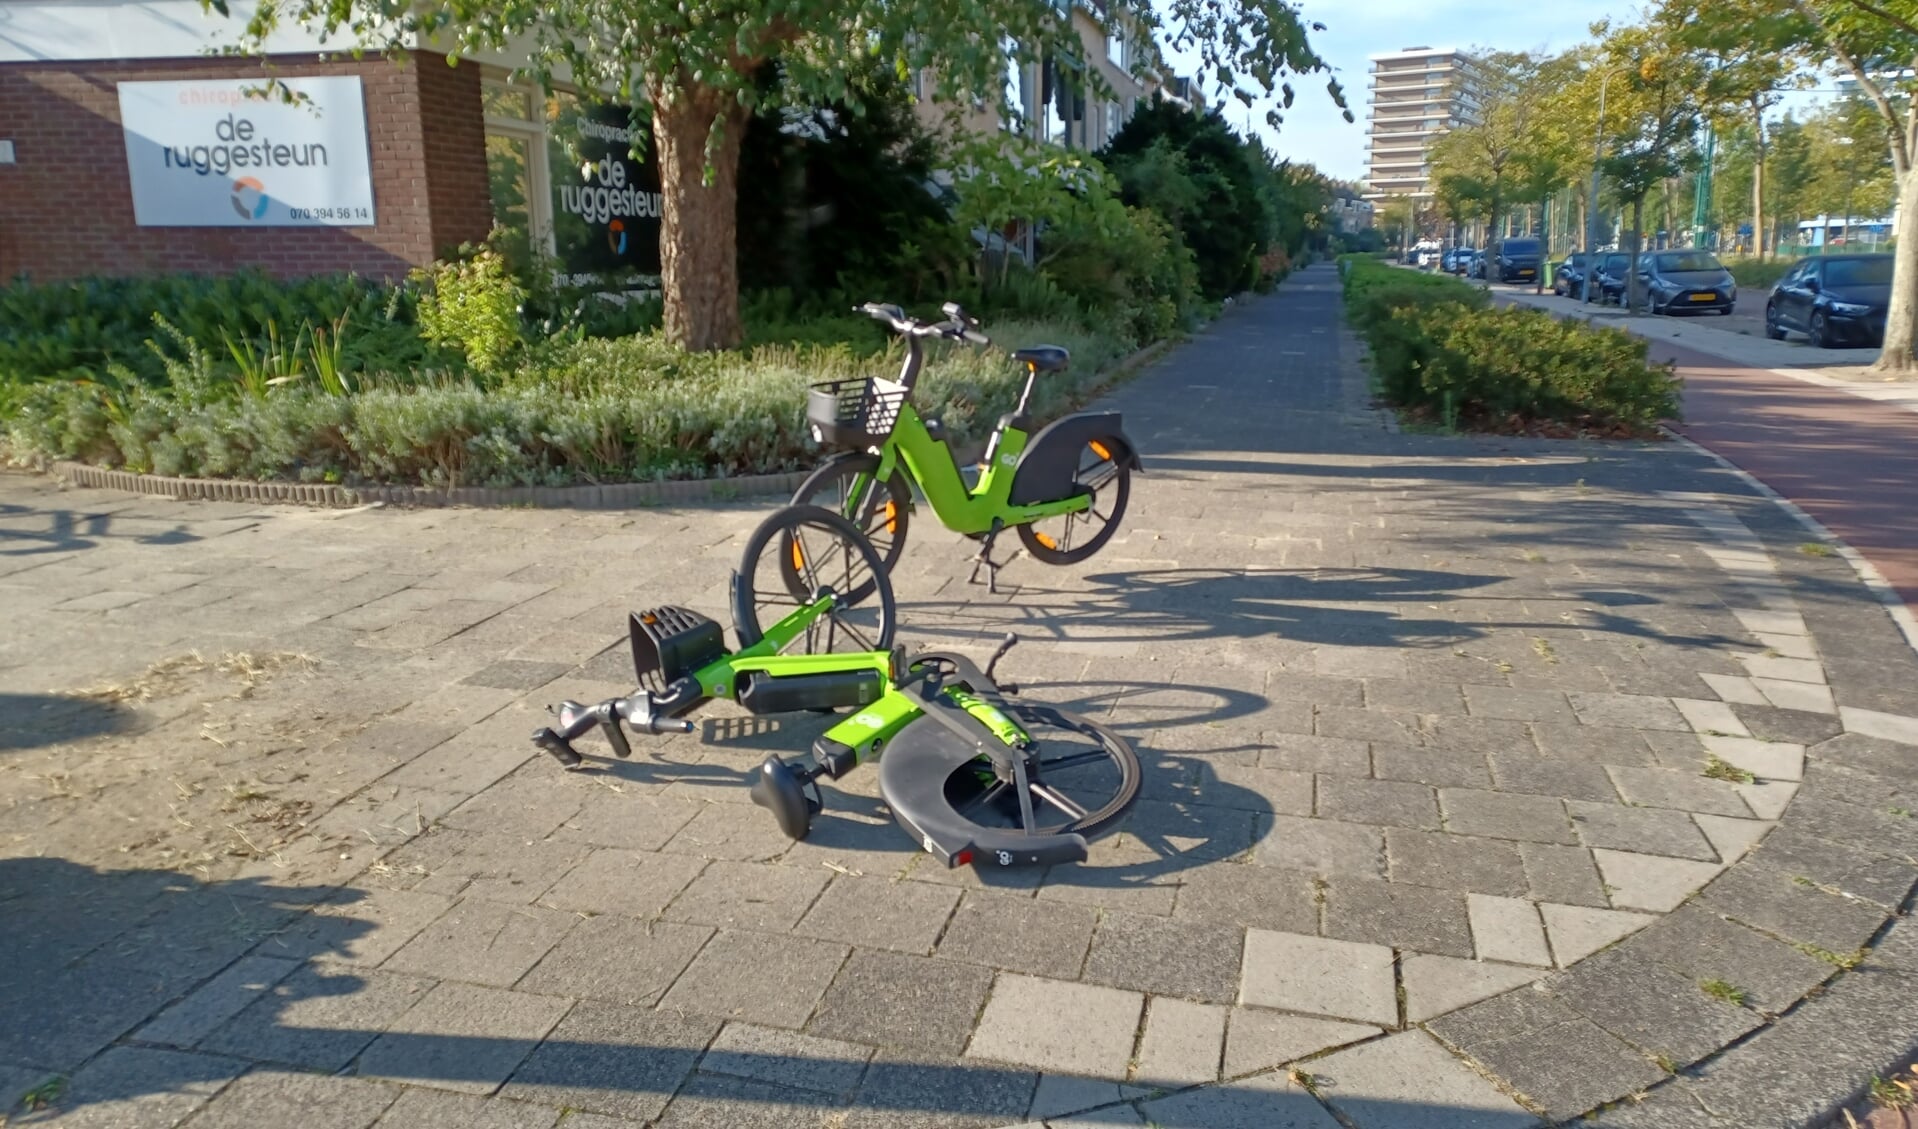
pixel 616 495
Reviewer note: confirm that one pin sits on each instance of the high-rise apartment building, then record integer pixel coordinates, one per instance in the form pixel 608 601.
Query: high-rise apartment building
pixel 1417 94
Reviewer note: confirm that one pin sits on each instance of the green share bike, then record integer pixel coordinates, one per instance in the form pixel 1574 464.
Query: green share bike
pixel 1064 489
pixel 970 776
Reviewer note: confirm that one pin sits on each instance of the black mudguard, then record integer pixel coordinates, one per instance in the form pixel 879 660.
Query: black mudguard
pixel 1051 461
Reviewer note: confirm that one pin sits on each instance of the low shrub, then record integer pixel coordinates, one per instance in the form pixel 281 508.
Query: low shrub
pixel 590 410
pixel 1441 351
pixel 471 307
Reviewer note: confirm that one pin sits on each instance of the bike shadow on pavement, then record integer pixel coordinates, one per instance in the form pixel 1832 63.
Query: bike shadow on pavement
pixel 30 531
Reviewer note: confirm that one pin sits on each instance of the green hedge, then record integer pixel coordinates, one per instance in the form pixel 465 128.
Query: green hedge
pixel 1440 351
pixel 1759 273
pixel 591 410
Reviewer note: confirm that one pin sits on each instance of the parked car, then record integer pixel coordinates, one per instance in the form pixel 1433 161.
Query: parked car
pixel 1694 280
pixel 1516 260
pixel 1460 259
pixel 1568 278
pixel 1612 269
pixel 1834 300
pixel 1475 266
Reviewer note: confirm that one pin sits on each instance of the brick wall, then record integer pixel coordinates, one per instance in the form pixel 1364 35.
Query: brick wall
pixel 66 208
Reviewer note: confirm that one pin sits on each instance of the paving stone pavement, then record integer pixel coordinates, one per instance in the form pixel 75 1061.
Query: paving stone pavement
pixel 1489 781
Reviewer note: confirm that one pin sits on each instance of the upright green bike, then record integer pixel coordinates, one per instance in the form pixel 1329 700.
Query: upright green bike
pixel 1064 489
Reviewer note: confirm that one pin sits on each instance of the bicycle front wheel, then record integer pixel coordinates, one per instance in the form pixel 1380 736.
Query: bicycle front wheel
pixel 829 559
pixel 846 486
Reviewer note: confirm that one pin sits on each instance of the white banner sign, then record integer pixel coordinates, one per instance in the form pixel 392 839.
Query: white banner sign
pixel 223 153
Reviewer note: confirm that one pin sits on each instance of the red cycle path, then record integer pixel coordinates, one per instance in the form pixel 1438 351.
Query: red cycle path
pixel 1851 463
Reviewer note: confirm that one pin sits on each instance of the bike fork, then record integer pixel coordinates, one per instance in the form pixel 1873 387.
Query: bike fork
pixel 983 559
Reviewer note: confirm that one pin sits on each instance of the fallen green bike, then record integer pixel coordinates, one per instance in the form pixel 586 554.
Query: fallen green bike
pixel 970 776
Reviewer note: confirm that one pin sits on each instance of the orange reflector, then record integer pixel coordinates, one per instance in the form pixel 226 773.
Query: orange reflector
pixel 799 559
pixel 649 618
pixel 1100 450
pixel 1045 539
pixel 892 517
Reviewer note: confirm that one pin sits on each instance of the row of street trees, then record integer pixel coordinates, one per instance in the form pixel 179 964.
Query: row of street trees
pixel 1633 103
pixel 694 68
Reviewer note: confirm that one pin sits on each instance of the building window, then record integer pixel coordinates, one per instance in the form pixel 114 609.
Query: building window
pixel 1115 120
pixel 1118 51
pixel 517 171
pixel 1019 105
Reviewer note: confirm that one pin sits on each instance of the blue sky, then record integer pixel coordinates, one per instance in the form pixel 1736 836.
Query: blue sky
pixel 1314 132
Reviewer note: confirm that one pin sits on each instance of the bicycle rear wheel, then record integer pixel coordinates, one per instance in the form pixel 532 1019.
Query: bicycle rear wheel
pixel 1071 538
pixel 830 558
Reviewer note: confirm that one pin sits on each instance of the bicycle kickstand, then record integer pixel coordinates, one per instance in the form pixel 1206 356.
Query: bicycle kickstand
pixel 983 559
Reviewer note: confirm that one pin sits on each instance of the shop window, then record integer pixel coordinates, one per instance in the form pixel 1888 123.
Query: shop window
pixel 509 163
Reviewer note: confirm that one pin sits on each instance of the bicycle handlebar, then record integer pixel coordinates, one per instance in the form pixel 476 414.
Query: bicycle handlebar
pixel 575 719
pixel 958 325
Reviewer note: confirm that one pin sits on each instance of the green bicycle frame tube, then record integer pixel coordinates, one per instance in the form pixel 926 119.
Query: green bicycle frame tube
pixel 930 464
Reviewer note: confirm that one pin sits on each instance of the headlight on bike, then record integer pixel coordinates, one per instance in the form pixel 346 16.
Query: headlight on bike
pixel 1850 309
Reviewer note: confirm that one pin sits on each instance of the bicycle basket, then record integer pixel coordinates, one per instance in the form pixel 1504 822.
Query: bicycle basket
pixel 854 413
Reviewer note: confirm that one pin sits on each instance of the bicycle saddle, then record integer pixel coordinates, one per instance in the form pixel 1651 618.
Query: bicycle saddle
pixel 1044 358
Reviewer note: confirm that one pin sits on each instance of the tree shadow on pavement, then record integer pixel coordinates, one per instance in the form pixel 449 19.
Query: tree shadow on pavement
pixel 32 721
pixel 138 997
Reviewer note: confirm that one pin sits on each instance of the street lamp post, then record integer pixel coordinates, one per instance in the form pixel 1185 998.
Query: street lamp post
pixel 1591 216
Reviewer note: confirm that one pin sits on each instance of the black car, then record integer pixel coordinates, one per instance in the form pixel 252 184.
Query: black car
pixel 1833 300
pixel 1568 278
pixel 1516 260
pixel 1678 281
pixel 1609 283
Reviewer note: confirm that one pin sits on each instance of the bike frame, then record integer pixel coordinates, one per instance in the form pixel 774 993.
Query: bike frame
pixel 867 730
pixel 930 465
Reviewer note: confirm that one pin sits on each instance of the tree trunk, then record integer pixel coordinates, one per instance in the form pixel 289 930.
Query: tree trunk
pixel 699 239
pixel 1631 271
pixel 1902 317
pixel 1761 244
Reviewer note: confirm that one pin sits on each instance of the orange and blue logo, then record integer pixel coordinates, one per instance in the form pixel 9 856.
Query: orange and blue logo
pixel 250 198
pixel 616 237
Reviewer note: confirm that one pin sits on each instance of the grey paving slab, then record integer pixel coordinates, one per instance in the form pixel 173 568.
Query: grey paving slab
pixel 1398 916
pixel 1885 879
pixel 216 1001
pixel 1769 898
pixel 1258 897
pixel 1266 1101
pixel 1651 883
pixel 613 1060
pixel 1043 938
pixel 1508 929
pixel 749 895
pixel 318 1019
pixel 360 927
pixel 1547 1052
pixel 617 959
pixel 278 1098
pixel 1499 815
pixel 718 1101
pixel 1653 830
pixel 1562 874
pixel 1182 1044
pixel 1319 976
pixel 628 819
pixel 128 1086
pixel 1455 862
pixel 1393 803
pixel 1049 1025
pixel 483 942
pixel 439 1109
pixel 462 1037
pixel 633 883
pixel 1438 768
pixel 1322 846
pixel 1700 945
pixel 1592 744
pixel 936 1092
pixel 1435 985
pixel 1576 932
pixel 1194 960
pixel 1650 1006
pixel 786 1058
pixel 1408 1081
pixel 1304 753
pixel 728 978
pixel 921 1005
pixel 907 916
pixel 1543 776
pixel 1678 789
pixel 1258 1040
